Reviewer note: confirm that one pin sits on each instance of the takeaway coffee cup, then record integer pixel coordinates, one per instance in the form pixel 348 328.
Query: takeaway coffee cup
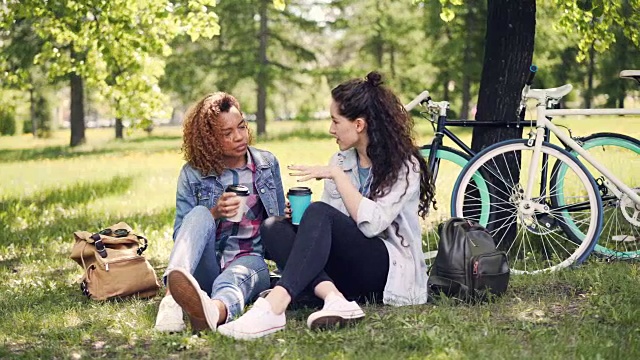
pixel 243 193
pixel 299 198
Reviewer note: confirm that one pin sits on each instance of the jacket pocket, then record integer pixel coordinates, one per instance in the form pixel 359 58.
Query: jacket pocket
pixel 332 189
pixel 203 195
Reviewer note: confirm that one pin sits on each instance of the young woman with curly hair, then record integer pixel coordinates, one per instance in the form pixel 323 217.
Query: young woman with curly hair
pixel 363 239
pixel 216 265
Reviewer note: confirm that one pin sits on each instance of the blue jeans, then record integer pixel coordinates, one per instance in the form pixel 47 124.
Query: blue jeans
pixel 195 251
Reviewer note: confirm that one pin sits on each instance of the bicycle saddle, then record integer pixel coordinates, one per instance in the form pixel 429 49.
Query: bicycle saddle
pixel 630 74
pixel 553 93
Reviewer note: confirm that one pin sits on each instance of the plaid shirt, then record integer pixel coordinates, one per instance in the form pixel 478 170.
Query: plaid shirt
pixel 234 240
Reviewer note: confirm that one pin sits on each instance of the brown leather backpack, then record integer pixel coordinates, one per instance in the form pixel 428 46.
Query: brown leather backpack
pixel 113 263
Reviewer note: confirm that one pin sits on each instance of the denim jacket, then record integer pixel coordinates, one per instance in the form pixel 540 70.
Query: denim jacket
pixel 195 189
pixel 407 278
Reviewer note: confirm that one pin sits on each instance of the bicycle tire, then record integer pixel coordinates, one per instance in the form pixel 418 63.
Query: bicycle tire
pixel 528 231
pixel 452 161
pixel 620 238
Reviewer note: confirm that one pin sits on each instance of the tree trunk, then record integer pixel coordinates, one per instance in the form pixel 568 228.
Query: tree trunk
pixel 466 61
pixel 119 128
pixel 32 110
pixel 588 95
pixel 77 110
pixel 392 61
pixel 263 75
pixel 507 57
pixel 378 38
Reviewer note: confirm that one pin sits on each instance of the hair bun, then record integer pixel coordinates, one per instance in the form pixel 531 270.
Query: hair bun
pixel 374 78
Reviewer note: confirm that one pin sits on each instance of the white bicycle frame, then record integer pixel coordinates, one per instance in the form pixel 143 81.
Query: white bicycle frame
pixel 542 95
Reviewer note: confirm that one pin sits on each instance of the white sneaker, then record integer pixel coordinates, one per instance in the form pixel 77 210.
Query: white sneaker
pixel 336 312
pixel 170 317
pixel 186 291
pixel 256 322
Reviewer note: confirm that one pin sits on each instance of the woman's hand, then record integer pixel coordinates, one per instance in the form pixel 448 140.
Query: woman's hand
pixel 314 172
pixel 227 206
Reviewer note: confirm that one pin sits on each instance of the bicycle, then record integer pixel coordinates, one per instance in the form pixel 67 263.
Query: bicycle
pixel 558 225
pixel 447 160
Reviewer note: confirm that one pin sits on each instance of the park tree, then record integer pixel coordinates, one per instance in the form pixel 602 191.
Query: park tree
pixel 509 45
pixel 456 48
pixel 116 46
pixel 260 41
pixel 20 47
pixel 388 36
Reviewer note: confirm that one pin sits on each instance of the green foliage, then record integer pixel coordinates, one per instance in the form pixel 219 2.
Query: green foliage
pixel 7 120
pixel 592 21
pixel 116 46
pixel 225 62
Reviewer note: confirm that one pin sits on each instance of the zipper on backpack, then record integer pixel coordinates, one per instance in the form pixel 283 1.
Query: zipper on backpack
pixel 475 267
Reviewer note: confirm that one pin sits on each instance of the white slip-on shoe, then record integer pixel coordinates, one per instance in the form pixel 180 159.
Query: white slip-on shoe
pixel 201 310
pixel 255 323
pixel 170 317
pixel 336 312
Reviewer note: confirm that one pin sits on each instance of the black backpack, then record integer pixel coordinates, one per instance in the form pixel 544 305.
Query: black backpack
pixel 468 266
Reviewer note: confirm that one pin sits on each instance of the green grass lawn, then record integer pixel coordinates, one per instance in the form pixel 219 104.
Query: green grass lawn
pixel 48 191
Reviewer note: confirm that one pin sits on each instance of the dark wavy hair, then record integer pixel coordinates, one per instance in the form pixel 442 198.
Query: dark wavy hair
pixel 202 132
pixel 390 131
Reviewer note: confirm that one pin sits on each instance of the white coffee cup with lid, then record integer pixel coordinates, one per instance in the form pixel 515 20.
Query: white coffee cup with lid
pixel 243 193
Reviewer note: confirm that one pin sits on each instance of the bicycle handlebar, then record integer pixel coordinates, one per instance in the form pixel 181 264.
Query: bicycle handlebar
pixel 418 99
pixel 532 73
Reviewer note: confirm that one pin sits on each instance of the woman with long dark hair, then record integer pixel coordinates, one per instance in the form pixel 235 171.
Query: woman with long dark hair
pixel 363 239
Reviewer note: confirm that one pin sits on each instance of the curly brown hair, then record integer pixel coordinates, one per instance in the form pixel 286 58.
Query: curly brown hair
pixel 389 128
pixel 201 132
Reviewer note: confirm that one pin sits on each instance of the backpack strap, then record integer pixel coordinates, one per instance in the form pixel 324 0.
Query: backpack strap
pixel 145 243
pixel 451 288
pixel 447 286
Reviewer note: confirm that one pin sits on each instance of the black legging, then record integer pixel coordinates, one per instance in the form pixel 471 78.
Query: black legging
pixel 326 246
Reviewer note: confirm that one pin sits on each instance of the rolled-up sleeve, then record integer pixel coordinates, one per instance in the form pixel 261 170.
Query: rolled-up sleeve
pixel 374 217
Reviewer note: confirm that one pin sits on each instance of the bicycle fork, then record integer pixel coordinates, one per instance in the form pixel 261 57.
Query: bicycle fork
pixel 527 206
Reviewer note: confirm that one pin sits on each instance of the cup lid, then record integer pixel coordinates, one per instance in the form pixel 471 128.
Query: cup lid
pixel 300 190
pixel 238 189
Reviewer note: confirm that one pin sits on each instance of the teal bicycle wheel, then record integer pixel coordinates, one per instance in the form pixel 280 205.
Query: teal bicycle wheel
pixel 451 161
pixel 620 154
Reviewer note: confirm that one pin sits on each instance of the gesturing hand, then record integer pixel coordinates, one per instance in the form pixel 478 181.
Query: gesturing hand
pixel 313 172
pixel 227 206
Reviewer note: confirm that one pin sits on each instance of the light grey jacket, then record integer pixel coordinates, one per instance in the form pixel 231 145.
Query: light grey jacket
pixel 407 279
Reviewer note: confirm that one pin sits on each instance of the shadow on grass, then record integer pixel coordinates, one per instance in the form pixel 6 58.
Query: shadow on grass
pixel 304 133
pixel 30 209
pixel 66 152
pixel 154 138
pixel 79 193
pixel 37 284
pixel 49 152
